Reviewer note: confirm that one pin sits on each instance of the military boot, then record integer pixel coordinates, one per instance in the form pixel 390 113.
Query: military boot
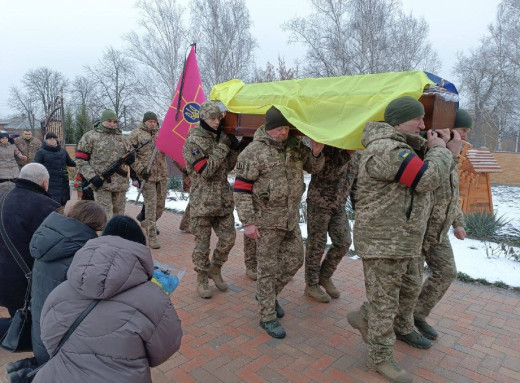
pixel 425 329
pixel 415 339
pixel 215 274
pixel 152 237
pixel 315 292
pixel 356 320
pixel 251 273
pixel 203 285
pixel 391 370
pixel 273 328
pixel 329 287
pixel 140 217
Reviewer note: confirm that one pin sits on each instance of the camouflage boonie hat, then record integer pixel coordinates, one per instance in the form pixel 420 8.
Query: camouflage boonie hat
pixel 209 109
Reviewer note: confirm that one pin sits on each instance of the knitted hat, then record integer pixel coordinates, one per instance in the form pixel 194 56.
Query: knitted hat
pixel 462 119
pixel 4 135
pixel 125 227
pixel 274 118
pixel 51 135
pixel 209 109
pixel 108 115
pixel 403 109
pixel 149 116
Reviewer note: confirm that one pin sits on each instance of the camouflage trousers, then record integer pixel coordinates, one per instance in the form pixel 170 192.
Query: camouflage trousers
pixel 392 287
pixel 113 203
pixel 320 222
pixel 224 227
pixel 185 221
pixel 249 253
pixel 279 255
pixel 154 194
pixel 443 271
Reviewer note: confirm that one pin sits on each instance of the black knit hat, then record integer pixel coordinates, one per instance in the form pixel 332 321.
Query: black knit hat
pixel 463 119
pixel 125 227
pixel 149 116
pixel 274 118
pixel 4 135
pixel 51 135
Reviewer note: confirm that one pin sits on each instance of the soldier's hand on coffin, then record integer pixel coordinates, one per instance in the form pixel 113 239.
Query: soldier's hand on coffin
pixel 316 148
pixel 455 144
pixel 444 134
pixel 434 139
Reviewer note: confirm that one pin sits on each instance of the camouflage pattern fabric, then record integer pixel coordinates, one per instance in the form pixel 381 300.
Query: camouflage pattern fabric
pixel 280 255
pixel 389 308
pixel 113 203
pixel 275 171
pixel 154 194
pixel 443 271
pixel 96 150
pixel 224 227
pixel 28 148
pixel 391 217
pixel 208 162
pixel 319 222
pixel 185 221
pixel 249 253
pixel 326 199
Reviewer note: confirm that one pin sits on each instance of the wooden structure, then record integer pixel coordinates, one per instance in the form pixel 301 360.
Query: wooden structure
pixel 475 167
pixel 440 114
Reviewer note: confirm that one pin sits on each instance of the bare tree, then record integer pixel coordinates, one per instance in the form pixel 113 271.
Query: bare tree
pixel 282 72
pixel 225 45
pixel 346 37
pixel 159 49
pixel 115 82
pixel 45 84
pixel 24 103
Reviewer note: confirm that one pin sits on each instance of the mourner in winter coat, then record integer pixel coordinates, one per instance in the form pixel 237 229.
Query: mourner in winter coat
pixel 53 246
pixel 25 208
pixel 8 167
pixel 56 159
pixel 134 326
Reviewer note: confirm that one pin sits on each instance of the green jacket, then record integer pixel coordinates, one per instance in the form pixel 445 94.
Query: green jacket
pixel 269 180
pixel 391 217
pixel 208 163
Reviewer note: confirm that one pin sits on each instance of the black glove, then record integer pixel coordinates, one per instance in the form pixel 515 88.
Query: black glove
pixel 235 144
pixel 96 181
pixel 130 159
pixel 244 142
pixel 145 174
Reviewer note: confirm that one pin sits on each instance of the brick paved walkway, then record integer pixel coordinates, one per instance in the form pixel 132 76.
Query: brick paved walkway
pixel 479 330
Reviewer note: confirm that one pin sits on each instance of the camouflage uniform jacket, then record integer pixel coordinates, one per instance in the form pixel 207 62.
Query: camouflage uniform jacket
pixel 269 180
pixel 159 169
pixel 28 148
pixel 208 163
pixel 330 187
pixel 96 150
pixel 446 209
pixel 395 193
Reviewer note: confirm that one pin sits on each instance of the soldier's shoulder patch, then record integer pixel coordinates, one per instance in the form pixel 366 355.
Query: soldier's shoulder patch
pixel 240 165
pixel 404 153
pixel 195 152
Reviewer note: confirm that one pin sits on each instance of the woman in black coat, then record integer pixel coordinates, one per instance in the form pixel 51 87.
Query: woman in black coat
pixel 53 246
pixel 56 159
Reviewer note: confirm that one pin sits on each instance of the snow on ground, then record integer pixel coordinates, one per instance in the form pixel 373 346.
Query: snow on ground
pixel 475 258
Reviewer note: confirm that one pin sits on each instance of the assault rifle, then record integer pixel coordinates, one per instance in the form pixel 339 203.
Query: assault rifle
pixel 115 167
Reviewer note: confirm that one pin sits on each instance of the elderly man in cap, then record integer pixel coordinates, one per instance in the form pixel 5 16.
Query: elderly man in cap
pixel 150 166
pixel 28 145
pixel 96 150
pixel 268 190
pixel 395 184
pixel 437 251
pixel 210 154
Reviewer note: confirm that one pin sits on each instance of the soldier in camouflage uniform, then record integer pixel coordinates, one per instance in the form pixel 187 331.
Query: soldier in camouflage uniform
pixel 392 210
pixel 28 145
pixel 154 174
pixel 437 251
pixel 210 154
pixel 326 199
pixel 96 150
pixel 250 257
pixel 268 190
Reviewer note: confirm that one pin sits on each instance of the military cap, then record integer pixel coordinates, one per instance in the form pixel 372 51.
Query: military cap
pixel 209 109
pixel 149 116
pixel 108 114
pixel 462 119
pixel 274 118
pixel 403 109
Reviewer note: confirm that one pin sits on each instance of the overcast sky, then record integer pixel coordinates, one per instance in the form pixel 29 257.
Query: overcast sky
pixel 66 35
